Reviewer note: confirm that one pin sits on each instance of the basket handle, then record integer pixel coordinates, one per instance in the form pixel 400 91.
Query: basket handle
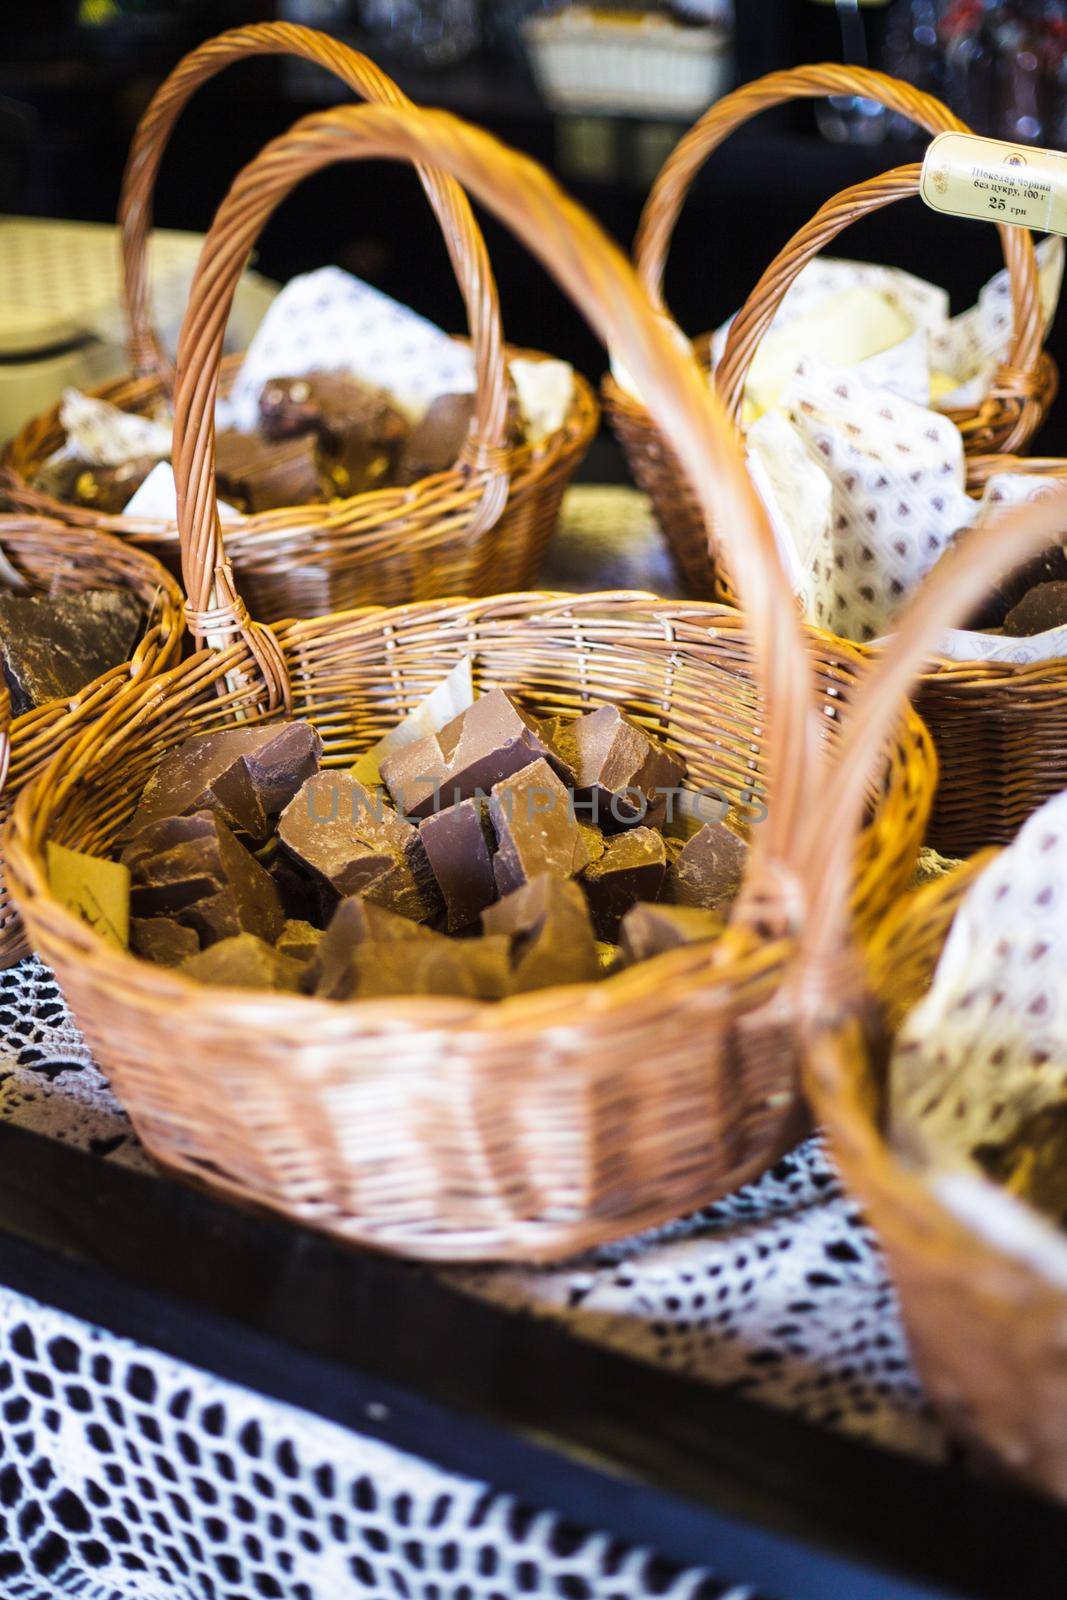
pixel 668 193
pixel 955 586
pixel 486 448
pixel 1014 377
pixel 593 270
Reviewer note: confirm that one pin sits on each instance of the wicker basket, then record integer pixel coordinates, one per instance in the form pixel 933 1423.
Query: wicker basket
pixel 452 1128
pixel 1000 729
pixel 55 559
pixel 987 1332
pixel 1007 417
pixel 478 529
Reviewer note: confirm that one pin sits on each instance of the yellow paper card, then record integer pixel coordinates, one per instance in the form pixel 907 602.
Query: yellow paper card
pixel 996 181
pixel 98 891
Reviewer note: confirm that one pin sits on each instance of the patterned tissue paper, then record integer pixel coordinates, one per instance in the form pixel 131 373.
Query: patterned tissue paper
pixel 987 1046
pixel 103 435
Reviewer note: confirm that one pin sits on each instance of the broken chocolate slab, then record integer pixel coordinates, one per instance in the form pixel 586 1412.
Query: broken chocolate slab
pixel 459 844
pixel 299 940
pixel 535 827
pixel 621 774
pixel 547 922
pixel 358 429
pixel 194 871
pixel 632 868
pixel 649 930
pixel 1032 1164
pixel 477 969
pixel 357 922
pixel 358 844
pixel 257 474
pixel 103 489
pixel 435 442
pixel 246 774
pixel 244 962
pixel 489 741
pixel 163 940
pixel 51 648
pixel 1042 608
pixel 708 869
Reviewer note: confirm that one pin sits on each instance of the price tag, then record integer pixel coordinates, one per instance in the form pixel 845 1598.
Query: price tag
pixel 997 182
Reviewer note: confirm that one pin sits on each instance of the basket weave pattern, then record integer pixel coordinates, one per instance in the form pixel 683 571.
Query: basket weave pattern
pixel 479 528
pixel 1022 390
pixel 453 1128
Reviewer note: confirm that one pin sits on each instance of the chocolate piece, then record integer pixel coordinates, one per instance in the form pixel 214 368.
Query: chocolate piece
pixel 103 489
pixel 708 869
pixel 1044 607
pixel 359 845
pixel 620 771
pixel 434 443
pixel 52 647
pixel 1033 1163
pixel 357 922
pixel 459 844
pixel 649 930
pixel 475 968
pixel 246 774
pixel 632 868
pixel 193 870
pixel 535 828
pixel 244 962
pixel 257 474
pixel 163 940
pixel 547 922
pixel 358 428
pixel 489 741
pixel 299 940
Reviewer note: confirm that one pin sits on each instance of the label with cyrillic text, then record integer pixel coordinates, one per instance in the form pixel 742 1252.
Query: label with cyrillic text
pixel 996 181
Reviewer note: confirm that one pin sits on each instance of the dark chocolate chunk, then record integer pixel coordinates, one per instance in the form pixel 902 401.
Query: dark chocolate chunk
pixel 193 870
pixel 649 930
pixel 435 442
pixel 244 962
pixel 620 773
pixel 103 489
pixel 459 844
pixel 547 922
pixel 359 430
pixel 257 474
pixel 489 741
pixel 473 968
pixel 162 940
pixel 1033 1163
pixel 708 870
pixel 632 868
pixel 357 922
pixel 53 647
pixel 535 828
pixel 354 840
pixel 246 774
pixel 299 940
pixel 1042 608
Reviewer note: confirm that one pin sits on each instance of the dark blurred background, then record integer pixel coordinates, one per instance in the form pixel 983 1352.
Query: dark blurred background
pixel 76 74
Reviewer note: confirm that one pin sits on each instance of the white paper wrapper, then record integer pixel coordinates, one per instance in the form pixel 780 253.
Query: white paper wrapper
pixel 451 696
pixel 102 435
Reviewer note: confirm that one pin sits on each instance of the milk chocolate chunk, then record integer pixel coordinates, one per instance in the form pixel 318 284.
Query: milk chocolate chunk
pixel 299 940
pixel 489 741
pixel 708 870
pixel 1044 607
pixel 535 828
pixel 244 962
pixel 632 868
pixel 357 922
pixel 434 443
pixel 104 489
pixel 547 923
pixel 162 940
pixel 246 774
pixel 257 474
pixel 459 844
pixel 621 773
pixel 52 648
pixel 358 429
pixel 1033 1163
pixel 354 840
pixel 194 871
pixel 649 930
pixel 477 969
